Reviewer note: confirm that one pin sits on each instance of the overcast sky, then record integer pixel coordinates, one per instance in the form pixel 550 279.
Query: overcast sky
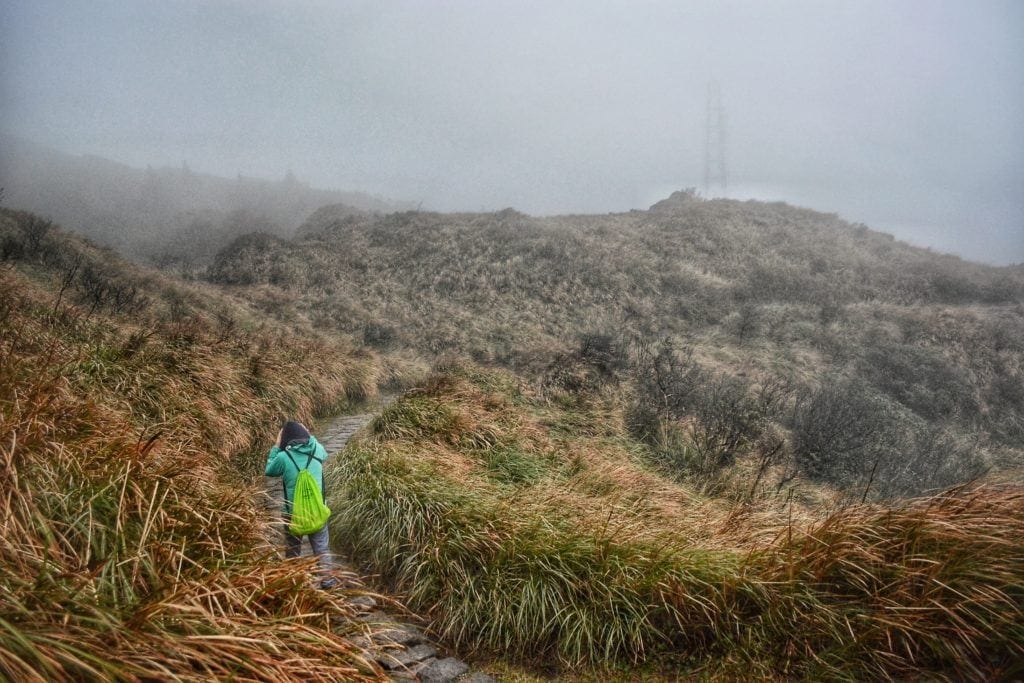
pixel 906 115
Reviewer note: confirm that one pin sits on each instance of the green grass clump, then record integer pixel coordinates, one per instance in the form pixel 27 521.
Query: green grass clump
pixel 593 560
pixel 499 574
pixel 510 465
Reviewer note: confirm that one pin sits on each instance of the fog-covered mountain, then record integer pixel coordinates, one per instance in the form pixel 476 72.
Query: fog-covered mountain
pixel 165 215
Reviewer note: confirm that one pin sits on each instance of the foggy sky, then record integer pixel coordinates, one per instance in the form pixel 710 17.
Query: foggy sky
pixel 908 116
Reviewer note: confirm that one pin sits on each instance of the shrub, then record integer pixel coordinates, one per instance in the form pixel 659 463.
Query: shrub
pixel 668 379
pixel 727 422
pixel 102 292
pixel 379 335
pixel 920 379
pixel 928 458
pixel 603 352
pixel 746 324
pixel 839 430
pixel 253 258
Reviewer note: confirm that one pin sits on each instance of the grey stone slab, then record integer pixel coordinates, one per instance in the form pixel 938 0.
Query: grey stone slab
pixel 377 617
pixel 394 659
pixel 404 635
pixel 362 642
pixel 443 670
pixel 363 603
pixel 478 677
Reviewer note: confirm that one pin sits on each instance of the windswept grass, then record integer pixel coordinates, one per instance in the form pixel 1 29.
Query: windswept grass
pixel 934 585
pixel 132 544
pixel 593 559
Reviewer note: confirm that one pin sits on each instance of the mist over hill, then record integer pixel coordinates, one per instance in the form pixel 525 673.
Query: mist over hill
pixel 618 431
pixel 161 215
pixel 683 266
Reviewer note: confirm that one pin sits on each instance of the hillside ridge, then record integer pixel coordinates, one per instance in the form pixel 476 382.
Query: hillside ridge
pixel 925 351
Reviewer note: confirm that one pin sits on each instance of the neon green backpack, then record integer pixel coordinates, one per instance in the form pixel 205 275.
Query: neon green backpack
pixel 309 513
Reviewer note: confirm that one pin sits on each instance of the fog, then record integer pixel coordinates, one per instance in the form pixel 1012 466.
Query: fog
pixel 907 116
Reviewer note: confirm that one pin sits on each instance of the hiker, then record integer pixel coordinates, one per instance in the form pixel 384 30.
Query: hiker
pixel 296 450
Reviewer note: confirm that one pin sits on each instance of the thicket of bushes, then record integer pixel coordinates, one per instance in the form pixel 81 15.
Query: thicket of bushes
pixel 134 413
pixel 700 422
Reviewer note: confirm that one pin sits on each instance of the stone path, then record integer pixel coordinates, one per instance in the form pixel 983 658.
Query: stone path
pixel 402 649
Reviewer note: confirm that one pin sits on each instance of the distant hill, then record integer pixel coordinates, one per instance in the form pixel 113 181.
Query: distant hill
pixel 445 281
pixel 163 215
pixel 925 350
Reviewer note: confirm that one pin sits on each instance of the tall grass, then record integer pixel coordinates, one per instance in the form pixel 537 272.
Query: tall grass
pixel 936 585
pixel 132 544
pixel 596 560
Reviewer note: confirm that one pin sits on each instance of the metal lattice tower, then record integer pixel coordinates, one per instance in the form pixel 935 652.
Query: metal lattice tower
pixel 714 143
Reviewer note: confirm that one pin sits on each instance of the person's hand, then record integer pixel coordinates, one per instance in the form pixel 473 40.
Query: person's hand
pixel 279 433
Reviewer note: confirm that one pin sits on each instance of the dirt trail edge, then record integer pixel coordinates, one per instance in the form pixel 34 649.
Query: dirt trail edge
pixel 402 649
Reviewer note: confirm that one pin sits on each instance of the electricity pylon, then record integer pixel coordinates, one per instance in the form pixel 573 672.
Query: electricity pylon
pixel 714 143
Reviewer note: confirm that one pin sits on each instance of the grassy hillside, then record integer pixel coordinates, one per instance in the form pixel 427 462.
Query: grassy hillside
pixel 523 535
pixel 682 468
pixel 884 355
pixel 683 269
pixel 134 413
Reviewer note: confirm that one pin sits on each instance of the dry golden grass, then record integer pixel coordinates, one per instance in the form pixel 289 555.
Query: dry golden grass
pixel 132 543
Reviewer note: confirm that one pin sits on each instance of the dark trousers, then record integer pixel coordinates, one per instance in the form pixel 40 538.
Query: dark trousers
pixel 318 543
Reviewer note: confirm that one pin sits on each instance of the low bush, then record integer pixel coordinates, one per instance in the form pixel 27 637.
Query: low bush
pixel 256 258
pixel 840 430
pixel 922 380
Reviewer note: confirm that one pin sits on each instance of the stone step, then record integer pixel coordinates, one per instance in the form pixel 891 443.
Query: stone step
pixel 405 658
pixel 442 670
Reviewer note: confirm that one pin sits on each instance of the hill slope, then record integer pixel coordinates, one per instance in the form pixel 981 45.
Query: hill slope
pixel 914 352
pixel 692 383
pixel 541 533
pixel 134 413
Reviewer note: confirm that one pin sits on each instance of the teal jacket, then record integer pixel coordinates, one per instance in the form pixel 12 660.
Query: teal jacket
pixel 280 465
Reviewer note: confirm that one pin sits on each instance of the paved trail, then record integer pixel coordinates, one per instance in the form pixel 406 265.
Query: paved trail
pixel 401 648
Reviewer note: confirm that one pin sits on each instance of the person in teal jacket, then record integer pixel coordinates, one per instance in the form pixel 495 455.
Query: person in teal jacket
pixel 297 448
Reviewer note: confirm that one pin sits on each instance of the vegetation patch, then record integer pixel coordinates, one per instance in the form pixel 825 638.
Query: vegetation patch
pixel 596 558
pixel 132 543
pixel 925 347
